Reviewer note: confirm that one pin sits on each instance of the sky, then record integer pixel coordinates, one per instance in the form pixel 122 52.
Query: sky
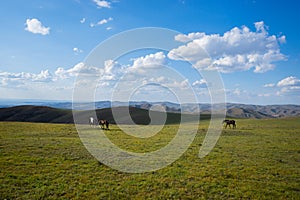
pixel 253 45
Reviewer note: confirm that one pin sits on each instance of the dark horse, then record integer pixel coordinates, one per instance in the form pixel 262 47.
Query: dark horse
pixel 229 122
pixel 103 122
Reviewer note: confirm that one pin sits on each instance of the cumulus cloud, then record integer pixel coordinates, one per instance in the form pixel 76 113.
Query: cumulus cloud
pixel 15 79
pixel 79 68
pixel 36 27
pixel 110 70
pixel 102 3
pixel 61 82
pixel 149 75
pixel 188 37
pixel 150 61
pixel 289 81
pixel 289 85
pixel 238 49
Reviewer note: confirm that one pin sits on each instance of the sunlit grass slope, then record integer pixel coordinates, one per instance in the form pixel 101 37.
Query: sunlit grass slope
pixel 258 160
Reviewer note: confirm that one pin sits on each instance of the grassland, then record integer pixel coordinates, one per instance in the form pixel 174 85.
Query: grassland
pixel 258 160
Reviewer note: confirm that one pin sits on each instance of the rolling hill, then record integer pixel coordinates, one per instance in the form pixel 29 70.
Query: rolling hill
pixel 55 115
pixel 30 113
pixel 139 112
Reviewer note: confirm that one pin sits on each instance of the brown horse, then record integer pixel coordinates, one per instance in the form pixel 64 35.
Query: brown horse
pixel 229 122
pixel 102 123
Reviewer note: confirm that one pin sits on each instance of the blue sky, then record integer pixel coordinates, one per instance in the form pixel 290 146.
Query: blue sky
pixel 253 44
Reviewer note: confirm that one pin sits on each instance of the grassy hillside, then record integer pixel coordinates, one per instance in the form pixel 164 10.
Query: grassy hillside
pixel 258 160
pixel 36 114
pixel 54 115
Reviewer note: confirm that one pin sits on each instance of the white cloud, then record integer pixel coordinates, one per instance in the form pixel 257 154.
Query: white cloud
pixel 289 81
pixel 82 20
pixel 109 66
pixel 101 22
pixel 238 49
pixel 112 69
pixel 104 21
pixel 260 27
pixel 269 85
pixel 108 28
pixel 43 76
pixel 282 39
pixel 79 68
pixel 60 83
pixel 18 79
pixel 189 37
pixel 109 72
pixel 184 84
pixel 239 95
pixel 36 27
pixel 292 91
pixel 77 50
pixel 150 61
pixel 200 82
pixel 102 4
pixel 289 86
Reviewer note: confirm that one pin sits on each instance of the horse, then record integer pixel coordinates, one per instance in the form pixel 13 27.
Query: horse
pixel 103 122
pixel 92 121
pixel 229 122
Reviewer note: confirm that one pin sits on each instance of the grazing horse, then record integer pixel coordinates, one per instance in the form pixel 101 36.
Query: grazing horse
pixel 92 121
pixel 103 122
pixel 229 122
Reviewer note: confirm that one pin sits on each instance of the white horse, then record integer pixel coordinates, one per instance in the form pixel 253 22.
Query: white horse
pixel 92 122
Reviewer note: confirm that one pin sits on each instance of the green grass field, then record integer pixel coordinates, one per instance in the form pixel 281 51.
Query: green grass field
pixel 258 160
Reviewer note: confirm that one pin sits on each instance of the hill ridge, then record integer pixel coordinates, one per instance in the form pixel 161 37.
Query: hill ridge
pixel 29 113
pixel 139 111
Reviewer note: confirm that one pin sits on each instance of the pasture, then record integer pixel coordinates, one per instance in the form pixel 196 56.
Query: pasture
pixel 260 159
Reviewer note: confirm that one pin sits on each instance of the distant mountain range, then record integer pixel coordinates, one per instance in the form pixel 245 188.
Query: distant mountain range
pixel 233 109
